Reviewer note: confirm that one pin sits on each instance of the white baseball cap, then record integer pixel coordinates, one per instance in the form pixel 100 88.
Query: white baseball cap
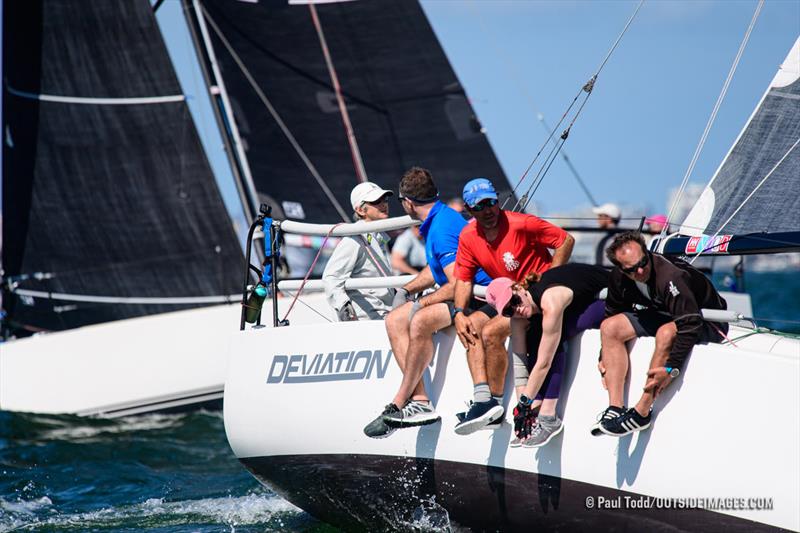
pixel 608 209
pixel 366 192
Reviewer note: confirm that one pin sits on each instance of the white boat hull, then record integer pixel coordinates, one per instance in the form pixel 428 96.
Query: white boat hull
pixel 728 430
pixel 166 362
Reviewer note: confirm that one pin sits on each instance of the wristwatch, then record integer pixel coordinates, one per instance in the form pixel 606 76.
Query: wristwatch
pixel 457 310
pixel 524 400
pixel 673 372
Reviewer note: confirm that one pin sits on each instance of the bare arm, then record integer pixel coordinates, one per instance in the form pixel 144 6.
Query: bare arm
pixel 563 252
pixel 554 301
pixel 400 264
pixel 444 293
pixel 519 329
pixel 422 281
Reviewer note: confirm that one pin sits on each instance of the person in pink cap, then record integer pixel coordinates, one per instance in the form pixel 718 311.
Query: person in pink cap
pixel 656 223
pixel 564 299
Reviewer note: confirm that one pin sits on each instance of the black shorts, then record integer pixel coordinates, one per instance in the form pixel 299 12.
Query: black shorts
pixel 473 306
pixel 646 324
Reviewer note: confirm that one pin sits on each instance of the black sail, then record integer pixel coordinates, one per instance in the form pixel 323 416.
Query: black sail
pixel 106 189
pixel 405 102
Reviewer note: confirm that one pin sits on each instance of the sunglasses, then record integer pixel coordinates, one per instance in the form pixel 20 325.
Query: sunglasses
pixel 510 308
pixel 480 206
pixel 641 264
pixel 420 201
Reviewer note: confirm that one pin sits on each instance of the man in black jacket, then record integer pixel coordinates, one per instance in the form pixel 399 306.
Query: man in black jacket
pixel 650 295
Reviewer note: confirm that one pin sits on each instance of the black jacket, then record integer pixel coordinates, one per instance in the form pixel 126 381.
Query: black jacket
pixel 678 289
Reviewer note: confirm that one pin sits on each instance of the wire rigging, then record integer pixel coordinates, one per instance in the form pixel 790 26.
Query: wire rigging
pixel 587 89
pixel 711 119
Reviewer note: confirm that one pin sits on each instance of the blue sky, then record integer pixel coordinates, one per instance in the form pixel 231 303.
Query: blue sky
pixel 636 136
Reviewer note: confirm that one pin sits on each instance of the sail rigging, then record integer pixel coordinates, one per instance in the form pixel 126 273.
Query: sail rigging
pixel 402 96
pixel 106 188
pixel 764 149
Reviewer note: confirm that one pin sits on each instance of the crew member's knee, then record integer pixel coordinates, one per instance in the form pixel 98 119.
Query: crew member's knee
pixel 397 320
pixel 615 328
pixel 494 334
pixel 666 334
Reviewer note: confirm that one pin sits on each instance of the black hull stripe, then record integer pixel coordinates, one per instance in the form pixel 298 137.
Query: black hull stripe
pixel 384 493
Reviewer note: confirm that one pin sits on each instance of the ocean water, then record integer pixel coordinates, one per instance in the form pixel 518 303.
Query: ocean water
pixel 176 473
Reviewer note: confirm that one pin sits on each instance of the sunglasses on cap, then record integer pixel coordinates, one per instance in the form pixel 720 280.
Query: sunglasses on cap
pixel 510 308
pixel 641 264
pixel 483 204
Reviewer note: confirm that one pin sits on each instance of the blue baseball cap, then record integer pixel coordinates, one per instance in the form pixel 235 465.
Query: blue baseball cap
pixel 477 190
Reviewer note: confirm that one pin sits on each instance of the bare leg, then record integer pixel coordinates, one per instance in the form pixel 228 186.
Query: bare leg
pixel 615 331
pixel 425 323
pixel 476 359
pixel 665 336
pixel 494 335
pixel 397 329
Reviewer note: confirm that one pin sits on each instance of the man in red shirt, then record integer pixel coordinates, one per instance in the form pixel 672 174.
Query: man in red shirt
pixel 504 244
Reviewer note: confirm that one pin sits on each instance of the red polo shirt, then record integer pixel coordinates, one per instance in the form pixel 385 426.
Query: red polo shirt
pixel 521 247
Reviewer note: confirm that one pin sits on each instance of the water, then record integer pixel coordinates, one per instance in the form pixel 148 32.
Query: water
pixel 161 473
pixel 170 473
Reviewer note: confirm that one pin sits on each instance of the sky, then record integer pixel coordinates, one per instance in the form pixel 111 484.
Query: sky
pixel 634 140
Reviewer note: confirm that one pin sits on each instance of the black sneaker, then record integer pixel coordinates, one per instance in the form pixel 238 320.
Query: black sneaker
pixel 479 415
pixel 627 422
pixel 377 429
pixel 610 413
pixel 413 414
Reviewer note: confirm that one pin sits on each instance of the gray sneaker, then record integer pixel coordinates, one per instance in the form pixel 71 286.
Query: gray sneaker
pixel 377 429
pixel 543 433
pixel 412 414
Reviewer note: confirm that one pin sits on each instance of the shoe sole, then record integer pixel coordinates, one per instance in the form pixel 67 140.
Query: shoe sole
pixel 383 436
pixel 412 422
pixel 596 431
pixel 548 439
pixel 467 428
pixel 627 432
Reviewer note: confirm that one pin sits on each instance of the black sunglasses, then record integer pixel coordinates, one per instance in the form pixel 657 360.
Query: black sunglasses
pixel 641 264
pixel 508 310
pixel 480 206
pixel 420 201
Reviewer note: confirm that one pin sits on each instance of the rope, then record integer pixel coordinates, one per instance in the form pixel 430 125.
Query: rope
pixel 355 153
pixel 278 120
pixel 587 89
pixel 712 118
pixel 760 183
pixel 310 270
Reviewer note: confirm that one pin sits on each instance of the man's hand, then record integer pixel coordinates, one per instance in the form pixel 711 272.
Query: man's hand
pixel 400 297
pixel 347 313
pixel 657 380
pixel 602 370
pixel 465 330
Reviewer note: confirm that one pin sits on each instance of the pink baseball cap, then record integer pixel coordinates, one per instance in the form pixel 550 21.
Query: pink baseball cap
pixel 657 219
pixel 499 292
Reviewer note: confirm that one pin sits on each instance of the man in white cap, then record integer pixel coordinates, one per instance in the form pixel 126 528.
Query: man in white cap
pixel 361 256
pixel 608 217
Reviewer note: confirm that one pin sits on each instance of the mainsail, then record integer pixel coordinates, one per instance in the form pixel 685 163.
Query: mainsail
pixel 755 189
pixel 106 189
pixel 405 103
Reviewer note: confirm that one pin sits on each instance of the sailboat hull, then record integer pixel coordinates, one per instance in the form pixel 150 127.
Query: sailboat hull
pixel 297 398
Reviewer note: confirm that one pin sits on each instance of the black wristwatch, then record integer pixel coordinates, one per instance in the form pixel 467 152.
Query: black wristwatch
pixel 524 400
pixel 457 310
pixel 673 372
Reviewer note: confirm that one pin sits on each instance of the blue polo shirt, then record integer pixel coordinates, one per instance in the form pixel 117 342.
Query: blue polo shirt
pixel 440 230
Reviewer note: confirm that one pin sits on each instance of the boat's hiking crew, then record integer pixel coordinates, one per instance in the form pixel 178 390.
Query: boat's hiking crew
pixel 411 324
pixel 504 244
pixel 361 256
pixel 650 296
pixel 563 301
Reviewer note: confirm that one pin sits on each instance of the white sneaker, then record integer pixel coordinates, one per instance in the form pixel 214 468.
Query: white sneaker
pixel 412 414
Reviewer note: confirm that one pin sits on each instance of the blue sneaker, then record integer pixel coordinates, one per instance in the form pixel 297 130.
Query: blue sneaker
pixel 497 424
pixel 610 413
pixel 479 415
pixel 627 422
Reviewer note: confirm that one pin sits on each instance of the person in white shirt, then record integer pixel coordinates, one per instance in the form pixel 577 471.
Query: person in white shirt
pixel 408 254
pixel 361 256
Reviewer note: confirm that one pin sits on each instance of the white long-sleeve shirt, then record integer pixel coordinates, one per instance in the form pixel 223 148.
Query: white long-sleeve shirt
pixel 350 259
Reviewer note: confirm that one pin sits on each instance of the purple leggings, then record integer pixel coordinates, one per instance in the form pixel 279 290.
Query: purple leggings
pixel 574 323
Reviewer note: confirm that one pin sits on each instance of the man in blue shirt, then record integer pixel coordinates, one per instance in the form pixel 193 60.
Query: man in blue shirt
pixel 411 324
